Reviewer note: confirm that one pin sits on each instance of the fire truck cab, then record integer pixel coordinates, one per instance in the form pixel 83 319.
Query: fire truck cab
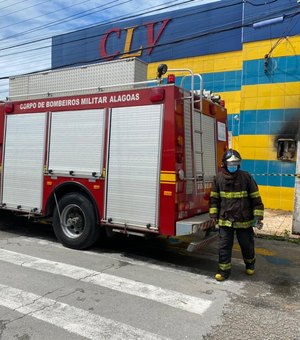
pixel 136 158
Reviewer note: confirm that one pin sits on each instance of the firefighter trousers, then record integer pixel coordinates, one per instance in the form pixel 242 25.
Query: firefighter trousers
pixel 245 237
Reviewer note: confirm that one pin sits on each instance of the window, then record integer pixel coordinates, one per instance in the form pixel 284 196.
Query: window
pixel 286 149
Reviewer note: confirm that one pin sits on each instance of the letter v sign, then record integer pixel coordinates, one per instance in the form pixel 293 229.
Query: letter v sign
pixel 150 34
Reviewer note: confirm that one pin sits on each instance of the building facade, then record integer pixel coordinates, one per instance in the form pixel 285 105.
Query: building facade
pixel 246 51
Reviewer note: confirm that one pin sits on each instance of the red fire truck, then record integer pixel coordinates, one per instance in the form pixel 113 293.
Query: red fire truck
pixel 137 158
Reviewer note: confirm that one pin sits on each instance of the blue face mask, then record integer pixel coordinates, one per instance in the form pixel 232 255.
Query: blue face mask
pixel 232 168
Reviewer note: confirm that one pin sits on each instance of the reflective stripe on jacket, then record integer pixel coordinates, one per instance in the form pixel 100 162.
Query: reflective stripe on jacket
pixel 235 200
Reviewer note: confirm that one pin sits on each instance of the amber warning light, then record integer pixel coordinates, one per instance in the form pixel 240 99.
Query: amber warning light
pixel 9 107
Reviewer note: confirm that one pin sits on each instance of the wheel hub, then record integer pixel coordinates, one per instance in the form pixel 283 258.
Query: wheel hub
pixel 73 221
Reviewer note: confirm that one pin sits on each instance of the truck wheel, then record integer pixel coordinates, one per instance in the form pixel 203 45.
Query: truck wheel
pixel 75 224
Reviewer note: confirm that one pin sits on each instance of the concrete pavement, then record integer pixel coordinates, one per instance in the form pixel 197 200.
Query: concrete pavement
pixel 277 223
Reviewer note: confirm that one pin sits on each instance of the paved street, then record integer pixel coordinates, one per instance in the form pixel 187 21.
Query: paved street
pixel 130 288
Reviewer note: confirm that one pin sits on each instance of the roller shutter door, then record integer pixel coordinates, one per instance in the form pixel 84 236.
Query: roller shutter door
pixel 133 169
pixel 23 162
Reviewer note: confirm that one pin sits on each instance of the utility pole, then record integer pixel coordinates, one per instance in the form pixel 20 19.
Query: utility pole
pixel 296 216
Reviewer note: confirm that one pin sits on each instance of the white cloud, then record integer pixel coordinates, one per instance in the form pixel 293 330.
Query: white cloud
pixel 26 27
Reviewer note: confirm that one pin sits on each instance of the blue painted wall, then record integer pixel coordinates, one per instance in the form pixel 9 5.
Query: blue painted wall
pixel 201 30
pixel 256 11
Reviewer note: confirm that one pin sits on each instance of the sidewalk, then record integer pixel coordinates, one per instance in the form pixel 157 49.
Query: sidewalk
pixel 277 223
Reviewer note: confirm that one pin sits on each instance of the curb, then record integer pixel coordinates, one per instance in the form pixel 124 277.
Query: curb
pixel 289 238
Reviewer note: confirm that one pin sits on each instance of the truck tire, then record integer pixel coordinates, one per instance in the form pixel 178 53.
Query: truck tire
pixel 75 224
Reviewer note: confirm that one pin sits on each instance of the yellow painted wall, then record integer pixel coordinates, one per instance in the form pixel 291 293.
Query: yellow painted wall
pixel 203 64
pixel 271 96
pixel 277 197
pixel 254 97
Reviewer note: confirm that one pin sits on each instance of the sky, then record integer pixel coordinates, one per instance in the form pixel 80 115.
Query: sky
pixel 26 27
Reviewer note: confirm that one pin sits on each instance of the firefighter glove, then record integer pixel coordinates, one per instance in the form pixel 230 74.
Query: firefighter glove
pixel 258 223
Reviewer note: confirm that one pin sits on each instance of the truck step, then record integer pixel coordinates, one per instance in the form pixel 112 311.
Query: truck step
pixel 211 237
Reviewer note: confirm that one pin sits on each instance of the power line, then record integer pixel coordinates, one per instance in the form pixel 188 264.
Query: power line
pixel 78 15
pixel 249 22
pixel 69 18
pixel 261 4
pixel 39 16
pixel 115 20
pixel 16 3
pixel 118 19
pixel 159 45
pixel 171 42
pixel 98 59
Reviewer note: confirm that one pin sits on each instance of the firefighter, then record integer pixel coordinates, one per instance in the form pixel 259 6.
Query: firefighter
pixel 236 206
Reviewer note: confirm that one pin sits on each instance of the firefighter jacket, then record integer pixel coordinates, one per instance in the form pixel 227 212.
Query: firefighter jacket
pixel 235 200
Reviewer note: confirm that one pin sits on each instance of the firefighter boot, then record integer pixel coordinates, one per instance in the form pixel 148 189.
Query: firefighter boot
pixel 249 269
pixel 222 275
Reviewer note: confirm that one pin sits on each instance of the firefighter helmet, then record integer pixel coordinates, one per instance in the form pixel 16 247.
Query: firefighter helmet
pixel 231 157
